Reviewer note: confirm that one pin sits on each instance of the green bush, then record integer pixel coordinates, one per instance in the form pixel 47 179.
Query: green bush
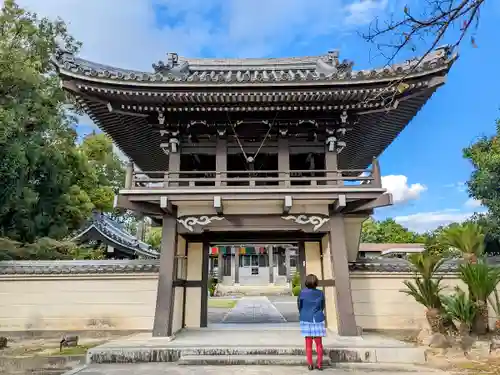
pixel 296 280
pixel 212 286
pixel 296 290
pixel 46 249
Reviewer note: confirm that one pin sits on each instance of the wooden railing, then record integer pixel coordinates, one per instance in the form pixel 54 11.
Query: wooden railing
pixel 261 179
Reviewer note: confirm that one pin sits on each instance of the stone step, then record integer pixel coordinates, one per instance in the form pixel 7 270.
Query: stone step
pixel 246 360
pixel 408 355
pixel 235 351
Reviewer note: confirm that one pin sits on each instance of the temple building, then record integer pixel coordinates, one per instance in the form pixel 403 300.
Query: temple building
pixel 251 152
pixel 119 243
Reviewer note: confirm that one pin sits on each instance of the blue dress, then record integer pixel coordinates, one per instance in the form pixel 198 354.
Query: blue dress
pixel 311 303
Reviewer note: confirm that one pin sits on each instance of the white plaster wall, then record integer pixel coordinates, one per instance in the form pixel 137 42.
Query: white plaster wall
pixel 127 302
pixel 115 302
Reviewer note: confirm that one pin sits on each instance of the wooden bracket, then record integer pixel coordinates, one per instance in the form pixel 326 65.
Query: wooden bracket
pixel 166 205
pixel 218 205
pixel 287 204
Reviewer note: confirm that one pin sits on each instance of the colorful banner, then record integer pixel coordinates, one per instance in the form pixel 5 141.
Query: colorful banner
pixel 231 250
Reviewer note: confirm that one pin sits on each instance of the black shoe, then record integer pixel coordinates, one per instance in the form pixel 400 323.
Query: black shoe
pixel 319 368
pixel 310 367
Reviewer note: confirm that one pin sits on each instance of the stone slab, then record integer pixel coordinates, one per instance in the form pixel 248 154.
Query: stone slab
pixel 173 369
pixel 252 339
pixel 246 360
pixel 254 310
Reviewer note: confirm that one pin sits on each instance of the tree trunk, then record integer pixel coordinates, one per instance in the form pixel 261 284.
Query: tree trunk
pixel 435 320
pixel 480 325
pixel 470 258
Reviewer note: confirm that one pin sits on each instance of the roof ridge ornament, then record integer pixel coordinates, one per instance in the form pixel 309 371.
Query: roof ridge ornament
pixel 330 64
pixel 172 66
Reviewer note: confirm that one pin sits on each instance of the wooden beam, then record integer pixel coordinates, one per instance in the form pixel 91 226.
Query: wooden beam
pixel 218 205
pixel 112 109
pixel 287 204
pixel 382 201
pixel 145 208
pixel 166 205
pixel 339 204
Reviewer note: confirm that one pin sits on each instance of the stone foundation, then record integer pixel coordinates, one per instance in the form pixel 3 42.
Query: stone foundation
pixel 271 344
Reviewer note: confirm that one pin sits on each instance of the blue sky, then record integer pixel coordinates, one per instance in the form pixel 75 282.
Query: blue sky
pixel 424 167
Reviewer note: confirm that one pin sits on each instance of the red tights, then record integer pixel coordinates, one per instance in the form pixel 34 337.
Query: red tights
pixel 319 350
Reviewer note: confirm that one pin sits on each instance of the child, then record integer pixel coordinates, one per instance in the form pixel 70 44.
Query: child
pixel 311 303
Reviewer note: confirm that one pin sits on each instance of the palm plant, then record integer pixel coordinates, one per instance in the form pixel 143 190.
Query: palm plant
pixel 468 238
pixel 426 264
pixel 426 291
pixel 461 308
pixel 482 280
pixel 495 304
pixel 425 288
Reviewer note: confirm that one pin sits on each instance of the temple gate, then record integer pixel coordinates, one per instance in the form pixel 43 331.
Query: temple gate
pixel 279 150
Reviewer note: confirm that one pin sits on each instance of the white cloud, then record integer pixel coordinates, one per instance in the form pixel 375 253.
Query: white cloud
pixel 401 192
pixel 460 186
pixel 129 33
pixel 426 221
pixel 362 12
pixel 473 203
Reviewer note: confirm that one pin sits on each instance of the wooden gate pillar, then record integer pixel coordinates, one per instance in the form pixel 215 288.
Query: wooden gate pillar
pixel 346 320
pixel 163 320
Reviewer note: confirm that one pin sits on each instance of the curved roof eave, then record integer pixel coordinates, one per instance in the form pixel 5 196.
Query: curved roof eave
pixel 438 61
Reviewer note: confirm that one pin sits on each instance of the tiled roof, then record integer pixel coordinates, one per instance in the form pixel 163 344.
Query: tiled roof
pixel 114 233
pixel 63 267
pixel 312 69
pixel 388 246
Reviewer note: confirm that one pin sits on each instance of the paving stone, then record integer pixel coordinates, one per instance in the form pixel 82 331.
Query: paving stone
pixel 173 369
pixel 254 310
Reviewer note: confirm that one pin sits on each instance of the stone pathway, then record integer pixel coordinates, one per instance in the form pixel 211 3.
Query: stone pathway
pixel 172 369
pixel 254 310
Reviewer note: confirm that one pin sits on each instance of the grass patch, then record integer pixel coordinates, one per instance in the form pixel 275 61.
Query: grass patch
pixel 487 366
pixel 222 303
pixel 75 350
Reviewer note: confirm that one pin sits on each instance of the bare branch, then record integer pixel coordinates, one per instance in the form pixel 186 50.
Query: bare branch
pixel 428 28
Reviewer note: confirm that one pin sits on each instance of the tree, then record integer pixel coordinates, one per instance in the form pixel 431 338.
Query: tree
pixel 153 238
pixel 41 168
pixel 426 29
pixel 108 173
pixel 483 185
pixel 387 231
pixel 468 238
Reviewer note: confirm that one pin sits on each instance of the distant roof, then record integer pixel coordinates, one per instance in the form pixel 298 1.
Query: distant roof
pixel 392 248
pixel 113 234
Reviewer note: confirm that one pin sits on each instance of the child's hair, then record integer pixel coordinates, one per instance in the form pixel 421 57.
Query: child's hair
pixel 311 281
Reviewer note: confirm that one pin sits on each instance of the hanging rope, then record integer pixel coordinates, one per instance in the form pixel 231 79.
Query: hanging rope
pixel 247 158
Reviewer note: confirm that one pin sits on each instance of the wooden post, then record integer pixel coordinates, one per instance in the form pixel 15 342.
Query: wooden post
pixel 162 326
pixel 377 178
pixel 283 162
pixel 174 167
pixel 346 320
pixel 140 228
pixel 271 264
pixel 237 265
pixel 129 175
pixel 220 267
pixel 220 162
pixel 204 285
pixel 287 263
pixel 331 164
